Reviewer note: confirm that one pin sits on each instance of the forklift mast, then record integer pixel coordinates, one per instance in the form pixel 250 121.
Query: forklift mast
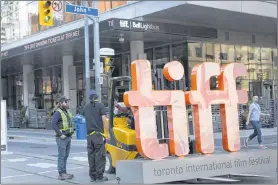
pixel 117 85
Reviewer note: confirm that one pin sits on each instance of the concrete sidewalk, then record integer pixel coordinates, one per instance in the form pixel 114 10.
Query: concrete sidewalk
pixel 36 135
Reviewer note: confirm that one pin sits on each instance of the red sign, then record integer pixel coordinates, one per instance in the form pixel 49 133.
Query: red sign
pixel 57 6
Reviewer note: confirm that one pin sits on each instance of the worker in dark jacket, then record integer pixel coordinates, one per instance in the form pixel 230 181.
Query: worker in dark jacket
pixel 62 124
pixel 96 121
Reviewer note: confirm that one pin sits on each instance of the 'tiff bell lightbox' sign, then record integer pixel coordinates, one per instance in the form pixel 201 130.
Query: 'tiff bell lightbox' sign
pixel 3 126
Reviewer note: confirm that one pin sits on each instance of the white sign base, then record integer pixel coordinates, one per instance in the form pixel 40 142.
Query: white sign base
pixel 3 126
pixel 195 166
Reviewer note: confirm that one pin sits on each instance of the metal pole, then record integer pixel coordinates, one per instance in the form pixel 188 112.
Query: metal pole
pixel 87 59
pixel 96 53
pixel 276 61
pixel 1 96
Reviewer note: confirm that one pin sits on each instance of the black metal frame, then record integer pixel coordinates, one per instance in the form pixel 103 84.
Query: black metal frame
pixel 113 83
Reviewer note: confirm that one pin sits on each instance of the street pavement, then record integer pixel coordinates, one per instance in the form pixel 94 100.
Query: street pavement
pixel 36 135
pixel 35 160
pixel 32 163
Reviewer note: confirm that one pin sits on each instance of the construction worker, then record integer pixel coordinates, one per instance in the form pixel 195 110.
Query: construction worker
pixel 95 116
pixel 62 124
pixel 119 104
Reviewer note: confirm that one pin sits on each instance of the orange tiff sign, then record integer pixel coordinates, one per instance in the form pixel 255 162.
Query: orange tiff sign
pixel 142 99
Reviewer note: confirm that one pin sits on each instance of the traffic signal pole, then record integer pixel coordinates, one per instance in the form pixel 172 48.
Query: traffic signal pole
pixel 97 53
pixel 87 58
pixel 1 82
pixel 277 59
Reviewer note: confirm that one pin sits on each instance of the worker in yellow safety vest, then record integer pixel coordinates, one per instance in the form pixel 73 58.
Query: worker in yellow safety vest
pixel 62 124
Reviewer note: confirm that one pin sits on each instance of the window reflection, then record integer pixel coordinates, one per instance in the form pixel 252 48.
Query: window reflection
pixel 217 51
pixel 244 55
pixel 210 52
pixel 196 55
pixel 254 64
pixel 275 64
pixel 237 53
pixel 275 71
pixel 227 54
pixel 267 64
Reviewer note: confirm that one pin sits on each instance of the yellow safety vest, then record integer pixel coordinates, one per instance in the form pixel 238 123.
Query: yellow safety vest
pixel 103 134
pixel 66 126
pixel 95 132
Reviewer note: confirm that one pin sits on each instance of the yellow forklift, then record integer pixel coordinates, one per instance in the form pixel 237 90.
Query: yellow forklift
pixel 122 145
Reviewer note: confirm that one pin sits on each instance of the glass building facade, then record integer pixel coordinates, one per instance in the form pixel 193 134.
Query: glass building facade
pixel 260 62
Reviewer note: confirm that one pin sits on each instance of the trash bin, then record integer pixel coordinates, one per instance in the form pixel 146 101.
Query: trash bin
pixel 80 127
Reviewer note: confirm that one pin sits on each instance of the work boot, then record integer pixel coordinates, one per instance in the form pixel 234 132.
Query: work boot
pixel 103 179
pixel 65 176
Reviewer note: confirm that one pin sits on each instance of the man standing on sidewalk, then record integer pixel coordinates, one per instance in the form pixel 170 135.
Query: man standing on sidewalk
pixel 254 117
pixel 62 125
pixel 95 116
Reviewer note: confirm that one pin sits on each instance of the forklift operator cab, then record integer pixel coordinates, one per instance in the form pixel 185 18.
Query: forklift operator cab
pixel 121 110
pixel 122 143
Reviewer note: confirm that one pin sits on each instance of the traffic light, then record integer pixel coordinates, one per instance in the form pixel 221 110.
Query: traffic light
pixel 45 13
pixel 107 64
pixel 264 76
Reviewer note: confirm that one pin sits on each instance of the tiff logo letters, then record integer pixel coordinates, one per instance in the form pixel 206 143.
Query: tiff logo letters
pixel 142 99
pixel 124 24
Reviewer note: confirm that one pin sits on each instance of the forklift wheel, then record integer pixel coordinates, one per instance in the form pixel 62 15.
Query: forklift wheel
pixel 108 166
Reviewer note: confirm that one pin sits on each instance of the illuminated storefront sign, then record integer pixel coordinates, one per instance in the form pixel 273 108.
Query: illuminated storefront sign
pixel 114 24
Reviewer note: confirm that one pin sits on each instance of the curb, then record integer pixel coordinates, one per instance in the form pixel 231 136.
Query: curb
pixel 7 153
pixel 84 142
pixel 44 140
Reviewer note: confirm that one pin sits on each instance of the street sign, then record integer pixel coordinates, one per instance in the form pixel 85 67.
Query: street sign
pixel 73 9
pixel 57 6
pixel 99 80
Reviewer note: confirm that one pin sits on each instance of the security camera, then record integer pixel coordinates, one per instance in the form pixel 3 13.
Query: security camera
pixel 121 39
